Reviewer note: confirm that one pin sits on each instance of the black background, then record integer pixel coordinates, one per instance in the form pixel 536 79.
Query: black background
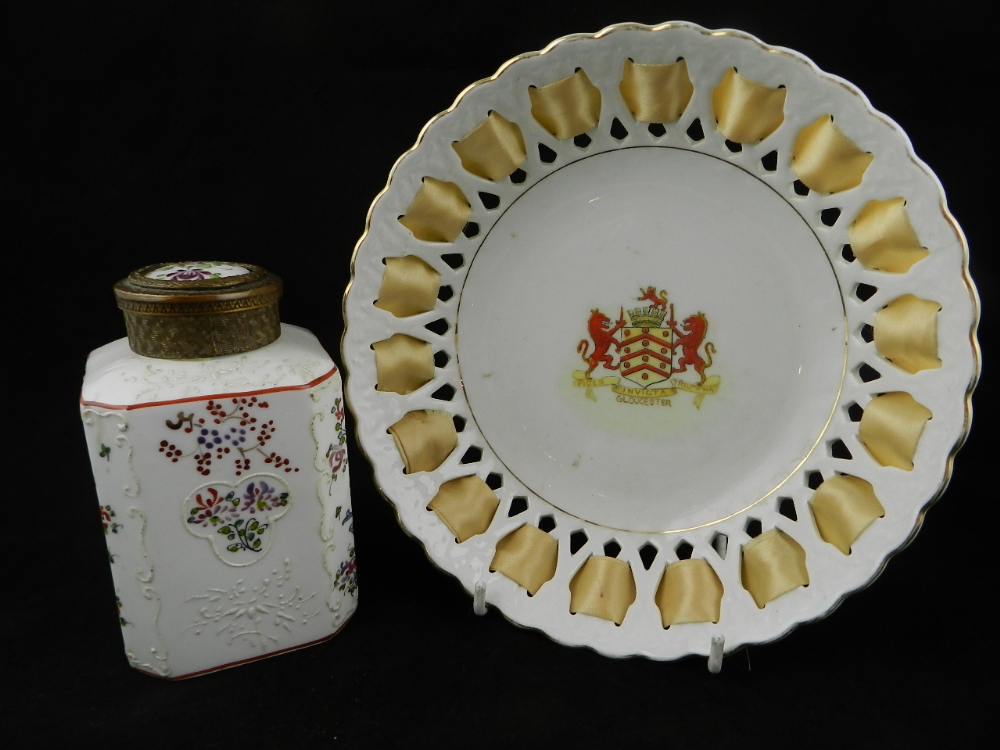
pixel 261 131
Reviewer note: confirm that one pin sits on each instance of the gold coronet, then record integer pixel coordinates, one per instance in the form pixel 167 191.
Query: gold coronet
pixel 647 317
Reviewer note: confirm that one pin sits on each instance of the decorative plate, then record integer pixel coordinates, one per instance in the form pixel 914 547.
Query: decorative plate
pixel 661 335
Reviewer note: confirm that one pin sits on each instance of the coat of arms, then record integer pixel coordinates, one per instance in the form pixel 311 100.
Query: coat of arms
pixel 653 351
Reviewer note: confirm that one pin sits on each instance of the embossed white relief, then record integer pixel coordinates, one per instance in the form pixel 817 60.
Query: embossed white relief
pixel 114 449
pixel 117 375
pixel 259 615
pixel 330 460
pixel 237 519
pixel 138 601
pixel 156 661
pixel 241 372
pixel 144 646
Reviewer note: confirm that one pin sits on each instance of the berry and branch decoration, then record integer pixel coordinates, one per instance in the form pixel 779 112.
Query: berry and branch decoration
pixel 231 429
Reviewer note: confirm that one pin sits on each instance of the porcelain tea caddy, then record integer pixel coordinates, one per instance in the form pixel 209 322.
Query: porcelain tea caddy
pixel 217 439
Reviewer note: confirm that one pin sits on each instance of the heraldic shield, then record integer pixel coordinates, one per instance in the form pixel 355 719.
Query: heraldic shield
pixel 647 354
pixel 646 351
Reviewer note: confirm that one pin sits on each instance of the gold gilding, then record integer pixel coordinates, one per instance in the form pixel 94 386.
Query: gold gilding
pixel 567 107
pixel 527 556
pixel 424 439
pixel 438 213
pixel 825 160
pixel 747 111
pixel 604 587
pixel 403 363
pixel 656 93
pixel 493 149
pixel 409 287
pixel 906 333
pixel 844 506
pixel 171 318
pixel 689 591
pixel 891 428
pixel 466 506
pixel 773 564
pixel 882 237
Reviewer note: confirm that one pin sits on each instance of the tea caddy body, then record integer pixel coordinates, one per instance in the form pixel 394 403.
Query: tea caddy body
pixel 222 478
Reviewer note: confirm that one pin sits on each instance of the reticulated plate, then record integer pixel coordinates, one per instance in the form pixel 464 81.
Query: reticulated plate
pixel 661 334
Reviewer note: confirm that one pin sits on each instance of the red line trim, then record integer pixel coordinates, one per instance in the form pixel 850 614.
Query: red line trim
pixel 250 659
pixel 206 397
pixel 646 353
pixel 629 342
pixel 645 366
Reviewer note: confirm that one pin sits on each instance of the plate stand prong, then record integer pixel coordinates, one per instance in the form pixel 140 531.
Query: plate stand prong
pixel 479 598
pixel 715 653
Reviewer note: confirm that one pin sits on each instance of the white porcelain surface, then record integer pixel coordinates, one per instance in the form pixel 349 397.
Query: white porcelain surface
pixel 521 307
pixel 191 596
pixel 594 235
pixel 117 375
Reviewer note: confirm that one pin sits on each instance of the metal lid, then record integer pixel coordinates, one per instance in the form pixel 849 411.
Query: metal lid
pixel 192 310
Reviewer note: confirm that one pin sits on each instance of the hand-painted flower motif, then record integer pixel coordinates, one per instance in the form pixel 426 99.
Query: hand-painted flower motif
pixel 346 579
pixel 196 271
pixel 336 453
pixel 238 519
pixel 210 508
pixel 191 274
pixel 348 515
pixel 110 527
pixel 121 620
pixel 262 497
